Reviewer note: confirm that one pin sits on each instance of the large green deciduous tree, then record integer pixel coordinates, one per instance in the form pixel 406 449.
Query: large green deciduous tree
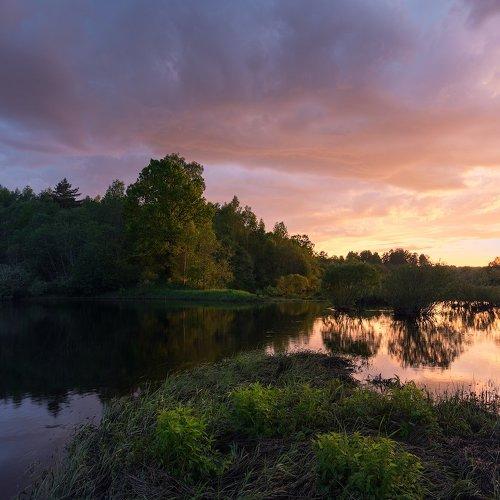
pixel 160 207
pixel 198 259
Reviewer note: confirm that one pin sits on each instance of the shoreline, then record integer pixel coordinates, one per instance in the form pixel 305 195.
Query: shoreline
pixel 175 296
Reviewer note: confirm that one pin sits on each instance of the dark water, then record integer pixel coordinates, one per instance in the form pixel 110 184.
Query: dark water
pixel 59 363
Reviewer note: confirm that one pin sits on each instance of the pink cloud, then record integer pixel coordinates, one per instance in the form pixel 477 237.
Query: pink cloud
pixel 359 122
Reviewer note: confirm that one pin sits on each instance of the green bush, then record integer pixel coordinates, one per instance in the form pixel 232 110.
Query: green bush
pixel 413 290
pixel 348 283
pixel 292 285
pixel 405 410
pixel 272 411
pixel 183 444
pixel 366 467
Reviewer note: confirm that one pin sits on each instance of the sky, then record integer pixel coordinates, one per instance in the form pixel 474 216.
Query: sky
pixel 365 124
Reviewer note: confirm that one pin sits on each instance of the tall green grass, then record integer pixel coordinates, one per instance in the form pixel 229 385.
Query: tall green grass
pixel 183 444
pixel 298 425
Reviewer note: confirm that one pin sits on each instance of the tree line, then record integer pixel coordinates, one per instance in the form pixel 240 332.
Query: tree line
pixel 160 230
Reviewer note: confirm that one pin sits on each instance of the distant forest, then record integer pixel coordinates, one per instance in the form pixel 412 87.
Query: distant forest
pixel 161 230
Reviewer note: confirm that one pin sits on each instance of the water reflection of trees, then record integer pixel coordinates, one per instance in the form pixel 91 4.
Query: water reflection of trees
pixel 352 335
pixel 466 318
pixel 424 342
pixel 48 350
pixel 439 340
pixel 433 342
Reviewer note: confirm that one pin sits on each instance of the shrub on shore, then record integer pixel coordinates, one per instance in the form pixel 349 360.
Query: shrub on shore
pixel 414 290
pixel 348 283
pixel 183 444
pixel 366 467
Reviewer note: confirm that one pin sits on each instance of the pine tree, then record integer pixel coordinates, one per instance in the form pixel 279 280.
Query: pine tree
pixel 65 195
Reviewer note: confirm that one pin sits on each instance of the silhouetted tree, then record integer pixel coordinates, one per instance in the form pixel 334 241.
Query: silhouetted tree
pixel 413 290
pixel 345 284
pixel 280 230
pixel 399 257
pixel 424 260
pixel 64 195
pixel 369 257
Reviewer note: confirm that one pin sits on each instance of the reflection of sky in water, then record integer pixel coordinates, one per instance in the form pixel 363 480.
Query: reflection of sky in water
pixel 454 349
pixel 30 434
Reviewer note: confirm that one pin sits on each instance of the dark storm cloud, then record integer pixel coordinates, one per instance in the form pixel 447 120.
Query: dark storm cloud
pixel 146 71
pixel 482 10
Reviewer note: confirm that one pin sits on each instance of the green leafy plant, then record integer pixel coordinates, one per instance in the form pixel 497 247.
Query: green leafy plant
pixel 366 467
pixel 183 444
pixel 272 411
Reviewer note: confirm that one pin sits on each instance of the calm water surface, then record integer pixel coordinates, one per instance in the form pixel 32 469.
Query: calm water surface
pixel 59 363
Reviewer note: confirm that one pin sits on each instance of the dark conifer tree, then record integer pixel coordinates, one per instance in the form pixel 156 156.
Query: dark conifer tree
pixel 65 195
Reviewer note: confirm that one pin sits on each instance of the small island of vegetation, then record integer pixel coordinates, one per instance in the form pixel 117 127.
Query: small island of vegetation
pixel 295 425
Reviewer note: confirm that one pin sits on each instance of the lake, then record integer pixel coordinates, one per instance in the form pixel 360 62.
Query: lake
pixel 60 362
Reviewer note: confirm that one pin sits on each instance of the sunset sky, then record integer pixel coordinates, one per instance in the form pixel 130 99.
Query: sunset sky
pixel 365 124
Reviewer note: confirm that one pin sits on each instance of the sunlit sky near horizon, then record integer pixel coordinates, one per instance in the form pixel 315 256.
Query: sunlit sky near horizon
pixel 365 124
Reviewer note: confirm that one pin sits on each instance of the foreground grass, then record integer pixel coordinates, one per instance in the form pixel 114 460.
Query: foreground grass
pixel 159 292
pixel 296 425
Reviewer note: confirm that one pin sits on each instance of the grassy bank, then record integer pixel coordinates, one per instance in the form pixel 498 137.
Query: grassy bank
pixel 159 292
pixel 297 425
